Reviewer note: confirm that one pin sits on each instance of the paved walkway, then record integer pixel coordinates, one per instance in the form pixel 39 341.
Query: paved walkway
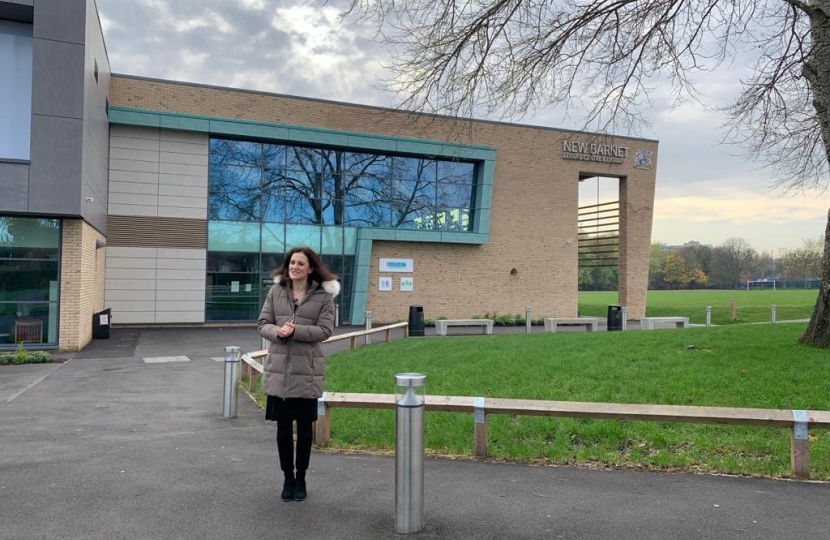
pixel 114 448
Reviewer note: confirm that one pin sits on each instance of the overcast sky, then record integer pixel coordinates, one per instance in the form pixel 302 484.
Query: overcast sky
pixel 298 47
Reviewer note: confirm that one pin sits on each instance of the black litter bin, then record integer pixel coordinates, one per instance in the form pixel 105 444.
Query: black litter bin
pixel 615 318
pixel 416 320
pixel 101 324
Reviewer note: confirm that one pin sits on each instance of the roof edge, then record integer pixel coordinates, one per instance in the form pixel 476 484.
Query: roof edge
pixel 378 108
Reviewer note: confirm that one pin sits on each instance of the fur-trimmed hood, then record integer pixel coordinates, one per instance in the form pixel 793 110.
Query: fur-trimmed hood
pixel 332 287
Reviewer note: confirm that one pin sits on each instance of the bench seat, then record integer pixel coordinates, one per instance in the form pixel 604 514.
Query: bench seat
pixel 590 323
pixel 442 325
pixel 647 323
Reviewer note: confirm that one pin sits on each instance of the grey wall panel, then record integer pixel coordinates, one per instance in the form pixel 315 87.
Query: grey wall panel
pixel 14 177
pixel 96 86
pixel 61 20
pixel 55 172
pixel 57 78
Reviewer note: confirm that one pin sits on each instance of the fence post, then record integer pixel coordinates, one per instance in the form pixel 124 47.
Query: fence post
pixel 480 434
pixel 336 316
pixel 322 429
pixel 624 318
pixel 367 337
pixel 800 446
pixel 732 310
pixel 231 387
pixel 528 318
pixel 772 314
pixel 708 315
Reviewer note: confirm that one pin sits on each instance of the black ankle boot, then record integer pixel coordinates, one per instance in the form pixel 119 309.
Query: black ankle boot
pixel 300 492
pixel 288 489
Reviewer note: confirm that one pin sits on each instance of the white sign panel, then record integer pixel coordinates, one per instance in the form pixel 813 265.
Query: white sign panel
pixel 407 284
pixel 396 265
pixel 385 284
pixel 234 286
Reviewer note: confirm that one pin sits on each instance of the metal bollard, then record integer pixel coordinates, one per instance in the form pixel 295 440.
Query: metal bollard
pixel 337 316
pixel 264 343
pixel 232 371
pixel 368 340
pixel 528 318
pixel 772 314
pixel 708 315
pixel 624 318
pixel 409 452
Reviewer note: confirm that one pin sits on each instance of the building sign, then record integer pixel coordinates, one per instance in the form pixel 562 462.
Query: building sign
pixel 603 153
pixel 396 265
pixel 407 284
pixel 385 284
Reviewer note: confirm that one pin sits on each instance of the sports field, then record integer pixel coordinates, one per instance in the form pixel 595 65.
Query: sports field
pixel 751 306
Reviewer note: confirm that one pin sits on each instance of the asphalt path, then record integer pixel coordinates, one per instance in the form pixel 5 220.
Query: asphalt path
pixel 112 447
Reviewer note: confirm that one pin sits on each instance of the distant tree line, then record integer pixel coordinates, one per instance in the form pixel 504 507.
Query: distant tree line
pixel 727 266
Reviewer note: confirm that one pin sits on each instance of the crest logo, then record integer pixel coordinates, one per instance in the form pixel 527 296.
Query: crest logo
pixel 642 159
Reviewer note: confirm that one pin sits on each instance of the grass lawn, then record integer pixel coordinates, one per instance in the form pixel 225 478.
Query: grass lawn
pixel 751 306
pixel 750 366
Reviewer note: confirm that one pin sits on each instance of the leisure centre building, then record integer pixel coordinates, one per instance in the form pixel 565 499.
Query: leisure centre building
pixel 171 203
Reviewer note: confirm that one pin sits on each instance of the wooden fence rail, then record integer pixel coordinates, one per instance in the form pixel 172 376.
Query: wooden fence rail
pixel 798 422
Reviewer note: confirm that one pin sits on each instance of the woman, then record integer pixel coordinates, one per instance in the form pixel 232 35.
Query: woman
pixel 298 315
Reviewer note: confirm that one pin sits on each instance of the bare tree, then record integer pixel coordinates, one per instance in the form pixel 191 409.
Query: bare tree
pixel 732 261
pixel 606 57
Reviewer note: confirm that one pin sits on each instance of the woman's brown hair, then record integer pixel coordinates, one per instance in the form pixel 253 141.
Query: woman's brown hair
pixel 319 271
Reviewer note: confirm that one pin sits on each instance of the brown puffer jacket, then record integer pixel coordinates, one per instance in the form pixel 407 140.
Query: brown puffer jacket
pixel 295 366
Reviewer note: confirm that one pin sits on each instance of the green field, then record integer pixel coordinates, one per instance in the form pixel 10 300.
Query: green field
pixel 751 306
pixel 749 366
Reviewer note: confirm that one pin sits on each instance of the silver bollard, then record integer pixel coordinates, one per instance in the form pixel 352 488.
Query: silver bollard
pixel 624 318
pixel 264 344
pixel 772 314
pixel 232 371
pixel 409 452
pixel 708 315
pixel 368 338
pixel 337 316
pixel 528 319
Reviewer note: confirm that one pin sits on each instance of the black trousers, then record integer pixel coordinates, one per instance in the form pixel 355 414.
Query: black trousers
pixel 285 446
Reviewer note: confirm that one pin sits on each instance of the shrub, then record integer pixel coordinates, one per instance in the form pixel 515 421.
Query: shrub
pixel 22 356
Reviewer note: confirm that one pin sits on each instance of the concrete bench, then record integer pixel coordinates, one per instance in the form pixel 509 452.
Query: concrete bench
pixel 441 326
pixel 647 323
pixel 589 322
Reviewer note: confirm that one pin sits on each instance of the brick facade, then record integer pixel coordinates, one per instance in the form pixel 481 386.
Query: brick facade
pixel 82 283
pixel 533 225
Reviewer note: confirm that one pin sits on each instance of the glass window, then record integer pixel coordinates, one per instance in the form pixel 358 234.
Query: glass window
pixel 29 274
pixel 274 156
pixel 359 212
pixel 234 193
pixel 273 238
pixel 349 240
pixel 28 238
pixel 302 235
pixel 228 262
pixel 302 210
pixel 413 204
pixel 332 241
pixel 455 195
pixel 453 219
pixel 22 280
pixel 415 169
pixel 233 236
pixel 367 164
pixel 225 153
pixel 456 172
pixel 15 89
